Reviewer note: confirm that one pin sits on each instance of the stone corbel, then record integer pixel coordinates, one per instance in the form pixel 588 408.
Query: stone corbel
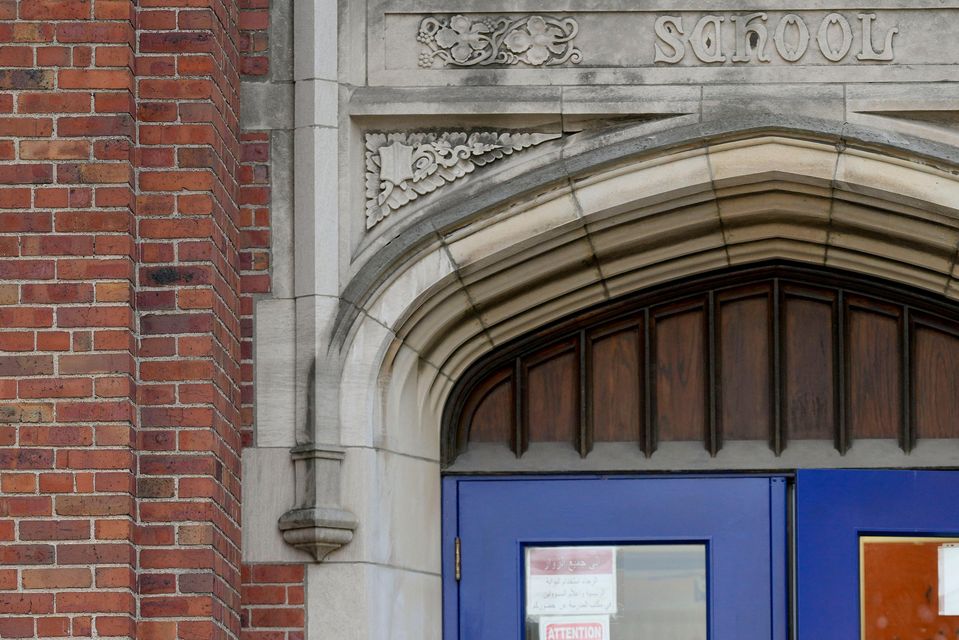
pixel 317 524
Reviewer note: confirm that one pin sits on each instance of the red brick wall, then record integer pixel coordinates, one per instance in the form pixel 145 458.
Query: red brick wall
pixel 254 195
pixel 273 597
pixel 254 254
pixel 67 324
pixel 119 318
pixel 134 236
pixel 254 37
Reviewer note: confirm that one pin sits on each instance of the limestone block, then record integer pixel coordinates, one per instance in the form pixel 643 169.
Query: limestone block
pixel 406 422
pixel 908 239
pixel 924 127
pixel 266 105
pixel 897 180
pixel 776 248
pixel 338 601
pixel 815 101
pixel 554 268
pixel 281 212
pixel 772 158
pixel 403 167
pixel 442 325
pixel 581 102
pixel 643 184
pixel 358 382
pixel 268 491
pixel 787 217
pixel 412 490
pixel 408 605
pixel 281 41
pixel 315 200
pixel 647 238
pixel 700 262
pixel 396 499
pixel 459 101
pixel 886 98
pixel 275 382
pixel 842 258
pixel 315 37
pixel 517 228
pixel 317 103
pixel 371 602
pixel 679 44
pixel 952 288
pixel 394 302
pixel 534 317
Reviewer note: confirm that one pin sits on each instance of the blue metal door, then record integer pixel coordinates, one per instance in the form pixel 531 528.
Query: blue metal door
pixel 875 551
pixel 493 525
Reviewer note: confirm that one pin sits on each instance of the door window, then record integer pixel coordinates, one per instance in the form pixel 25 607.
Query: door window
pixel 910 586
pixel 617 592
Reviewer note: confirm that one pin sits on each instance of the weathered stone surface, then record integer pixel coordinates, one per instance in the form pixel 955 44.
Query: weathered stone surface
pixel 609 43
pixel 684 136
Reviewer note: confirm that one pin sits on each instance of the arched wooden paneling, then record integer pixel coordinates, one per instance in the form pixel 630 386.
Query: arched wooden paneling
pixel 490 411
pixel 551 380
pixel 680 370
pixel 935 404
pixel 745 363
pixel 615 354
pixel 775 353
pixel 874 357
pixel 808 368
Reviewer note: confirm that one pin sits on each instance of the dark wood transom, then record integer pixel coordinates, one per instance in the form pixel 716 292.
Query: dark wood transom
pixel 776 352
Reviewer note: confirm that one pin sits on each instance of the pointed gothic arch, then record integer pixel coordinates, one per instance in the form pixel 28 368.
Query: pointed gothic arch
pixel 490 261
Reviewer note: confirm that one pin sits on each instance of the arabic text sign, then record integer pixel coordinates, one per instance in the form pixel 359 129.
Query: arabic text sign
pixel 574 628
pixel 570 581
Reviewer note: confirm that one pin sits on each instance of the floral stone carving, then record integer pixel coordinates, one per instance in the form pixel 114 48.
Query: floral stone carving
pixel 459 41
pixel 400 167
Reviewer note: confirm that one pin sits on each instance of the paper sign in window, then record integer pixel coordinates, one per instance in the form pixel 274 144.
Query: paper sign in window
pixel 564 581
pixel 949 580
pixel 574 628
pixel 642 591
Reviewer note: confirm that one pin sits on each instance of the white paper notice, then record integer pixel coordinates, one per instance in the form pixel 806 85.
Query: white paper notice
pixel 564 581
pixel 949 580
pixel 574 628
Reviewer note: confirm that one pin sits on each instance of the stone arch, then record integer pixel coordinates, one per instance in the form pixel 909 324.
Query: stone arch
pixel 585 235
pixel 654 219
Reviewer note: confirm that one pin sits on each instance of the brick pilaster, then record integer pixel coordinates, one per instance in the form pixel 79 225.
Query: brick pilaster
pixel 119 319
pixel 188 296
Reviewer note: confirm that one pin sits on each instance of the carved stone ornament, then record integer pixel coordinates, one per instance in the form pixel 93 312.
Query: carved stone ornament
pixel 537 41
pixel 755 36
pixel 400 167
pixel 317 525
